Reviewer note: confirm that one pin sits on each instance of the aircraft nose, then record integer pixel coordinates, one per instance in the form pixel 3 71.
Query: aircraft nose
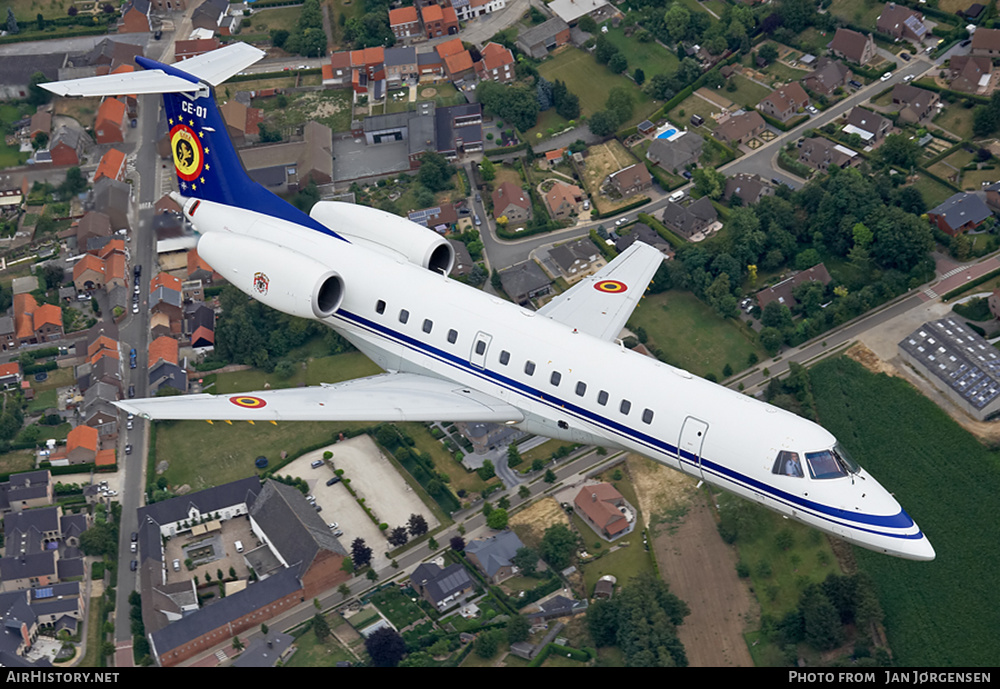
pixel 921 550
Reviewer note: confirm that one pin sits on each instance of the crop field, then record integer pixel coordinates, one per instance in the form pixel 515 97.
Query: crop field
pixel 940 613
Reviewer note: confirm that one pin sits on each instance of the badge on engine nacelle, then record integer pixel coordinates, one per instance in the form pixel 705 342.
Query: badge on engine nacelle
pixel 260 282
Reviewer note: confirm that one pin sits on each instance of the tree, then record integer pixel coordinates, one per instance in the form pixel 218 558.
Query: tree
pixel 566 102
pixel 526 560
pixel 457 544
pixel 603 123
pixel 11 22
pixel 620 103
pixel 517 629
pixel 361 554
pixel 821 623
pixel 435 172
pixel 488 170
pixel 676 20
pixel 36 94
pixel 417 525
pixel 768 52
pixel 618 63
pixel 770 340
pixel 550 476
pixel 398 536
pixel 639 76
pixel 558 545
pixel 708 182
pixel 497 519
pixel 386 647
pixel 320 627
pixel 487 644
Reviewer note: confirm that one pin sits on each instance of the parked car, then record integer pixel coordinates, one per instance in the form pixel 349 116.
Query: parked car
pixel 131 391
pixel 886 77
pixel 134 565
pixel 905 56
pixel 908 78
pixel 316 463
pixel 135 536
pixel 966 43
pixel 128 449
pixel 812 110
pixel 177 565
pixel 132 358
pixel 854 83
pixel 335 479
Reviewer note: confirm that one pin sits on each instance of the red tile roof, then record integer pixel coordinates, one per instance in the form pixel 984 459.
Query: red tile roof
pixel 452 47
pixel 164 348
pixel 112 165
pixel 402 15
pixel 82 436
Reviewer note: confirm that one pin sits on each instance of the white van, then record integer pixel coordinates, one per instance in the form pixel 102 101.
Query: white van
pixel 677 196
pixel 239 546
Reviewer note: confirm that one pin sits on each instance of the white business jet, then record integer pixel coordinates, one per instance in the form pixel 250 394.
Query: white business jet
pixel 455 353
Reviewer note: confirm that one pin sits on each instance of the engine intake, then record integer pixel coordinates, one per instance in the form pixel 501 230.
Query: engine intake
pixel 419 245
pixel 274 275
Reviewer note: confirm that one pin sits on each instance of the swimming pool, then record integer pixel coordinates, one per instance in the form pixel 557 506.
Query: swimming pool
pixel 667 131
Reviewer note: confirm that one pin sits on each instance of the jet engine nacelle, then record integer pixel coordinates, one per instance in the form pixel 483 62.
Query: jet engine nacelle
pixel 416 243
pixel 274 275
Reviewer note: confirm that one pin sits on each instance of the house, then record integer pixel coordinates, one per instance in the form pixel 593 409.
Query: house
pixel 184 50
pixel 112 198
pixel 82 446
pixel 287 166
pixel 563 200
pixel 748 188
pixel 782 292
pixel 577 259
pixel 524 281
pixel 26 490
pixel 914 103
pixel 401 66
pixel 199 325
pixel 959 213
pixel 439 21
pixel 970 73
pixel 463 259
pixel 740 127
pixel 497 64
pixel 605 509
pixel 214 15
pixel 41 122
pixel 510 201
pixel 853 46
pixel 784 102
pixel 10 375
pixel 677 152
pixel 870 126
pixel 67 146
pixel 631 180
pixel 494 556
pixel 640 232
pixel 93 225
pixel 538 41
pixel 820 153
pixel 456 59
pixel 164 366
pixel 135 17
pixel 902 23
pixel 338 72
pixel 442 588
pixel 242 122
pixel 828 76
pixel 692 219
pixel 993 196
pixel 571 11
pixel 441 218
pixel 112 165
pixel 34 324
pixel 405 24
pixel 368 72
pixel 986 42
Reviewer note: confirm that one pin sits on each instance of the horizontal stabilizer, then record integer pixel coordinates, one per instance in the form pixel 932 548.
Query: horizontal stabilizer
pixel 125 84
pixel 385 397
pixel 183 77
pixel 216 66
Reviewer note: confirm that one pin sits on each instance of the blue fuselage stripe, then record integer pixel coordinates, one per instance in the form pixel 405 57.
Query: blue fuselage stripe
pixel 830 514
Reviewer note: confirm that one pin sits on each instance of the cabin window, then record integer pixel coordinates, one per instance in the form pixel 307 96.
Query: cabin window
pixel 555 378
pixel 581 388
pixel 625 407
pixel 380 307
pixel 602 398
pixel 647 416
pixel 504 357
pixel 404 316
pixel 529 368
pixel 787 464
pixel 453 336
pixel 428 325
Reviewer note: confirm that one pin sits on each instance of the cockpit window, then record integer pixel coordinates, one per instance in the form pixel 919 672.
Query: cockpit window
pixel 846 459
pixel 824 465
pixel 788 464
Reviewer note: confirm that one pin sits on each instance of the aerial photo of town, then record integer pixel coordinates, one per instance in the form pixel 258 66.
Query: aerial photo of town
pixel 811 187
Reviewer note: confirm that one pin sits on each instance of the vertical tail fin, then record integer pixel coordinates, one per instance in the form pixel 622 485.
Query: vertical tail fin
pixel 205 160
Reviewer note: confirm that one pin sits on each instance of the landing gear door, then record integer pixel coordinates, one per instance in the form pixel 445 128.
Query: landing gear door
pixel 690 445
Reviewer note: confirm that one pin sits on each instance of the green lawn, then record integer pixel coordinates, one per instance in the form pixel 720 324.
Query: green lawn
pixel 592 82
pixel 956 119
pixel 691 335
pixel 940 613
pixel 651 58
pixel 933 191
pixel 396 607
pixel 859 12
pixel 748 93
pixel 330 369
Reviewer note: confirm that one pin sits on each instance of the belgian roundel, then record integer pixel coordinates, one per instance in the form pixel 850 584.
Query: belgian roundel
pixel 248 402
pixel 610 286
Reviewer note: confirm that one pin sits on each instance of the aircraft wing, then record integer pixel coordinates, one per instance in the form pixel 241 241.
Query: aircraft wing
pixel 218 65
pixel 601 304
pixel 153 81
pixel 385 397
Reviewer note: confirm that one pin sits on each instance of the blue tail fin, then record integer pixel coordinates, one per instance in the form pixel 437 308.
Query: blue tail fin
pixel 205 160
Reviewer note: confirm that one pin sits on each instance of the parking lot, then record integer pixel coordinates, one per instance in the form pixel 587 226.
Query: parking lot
pixel 373 478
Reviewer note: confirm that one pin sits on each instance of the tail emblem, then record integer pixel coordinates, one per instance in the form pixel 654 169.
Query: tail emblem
pixel 189 156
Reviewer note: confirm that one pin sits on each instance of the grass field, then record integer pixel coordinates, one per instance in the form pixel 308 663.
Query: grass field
pixel 748 93
pixel 330 369
pixel 940 613
pixel 860 12
pixel 651 58
pixel 933 191
pixel 592 82
pixel 691 334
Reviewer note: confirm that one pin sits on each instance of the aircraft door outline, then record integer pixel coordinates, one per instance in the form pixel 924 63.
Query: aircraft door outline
pixel 691 441
pixel 480 346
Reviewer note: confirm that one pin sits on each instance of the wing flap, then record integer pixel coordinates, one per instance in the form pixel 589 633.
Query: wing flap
pixel 385 397
pixel 602 303
pixel 218 65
